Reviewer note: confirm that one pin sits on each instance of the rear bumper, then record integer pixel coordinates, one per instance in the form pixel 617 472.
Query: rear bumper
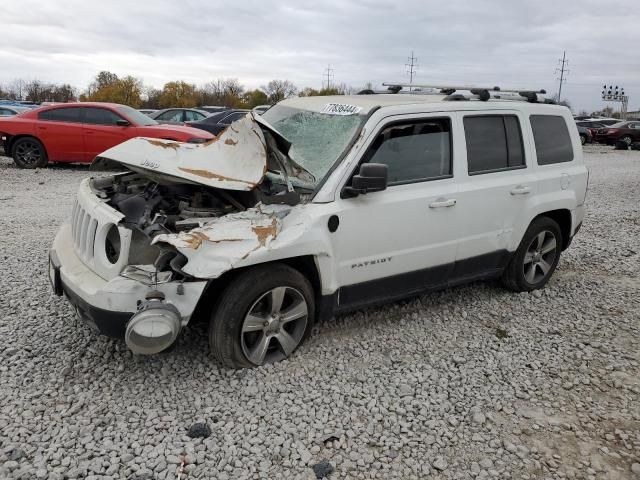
pixel 105 305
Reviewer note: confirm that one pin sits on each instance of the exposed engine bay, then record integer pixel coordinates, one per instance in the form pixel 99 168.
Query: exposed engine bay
pixel 152 207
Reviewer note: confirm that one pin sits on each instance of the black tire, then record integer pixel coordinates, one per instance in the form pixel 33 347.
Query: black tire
pixel 244 295
pixel 28 152
pixel 627 139
pixel 583 139
pixel 517 276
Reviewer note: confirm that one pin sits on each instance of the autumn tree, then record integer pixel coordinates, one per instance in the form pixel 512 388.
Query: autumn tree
pixel 178 94
pixel 277 90
pixel 107 87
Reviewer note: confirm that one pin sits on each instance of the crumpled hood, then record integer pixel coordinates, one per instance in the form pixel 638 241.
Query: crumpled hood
pixel 235 159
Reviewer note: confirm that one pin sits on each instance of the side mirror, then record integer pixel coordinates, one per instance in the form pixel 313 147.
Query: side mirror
pixel 371 178
pixel 122 123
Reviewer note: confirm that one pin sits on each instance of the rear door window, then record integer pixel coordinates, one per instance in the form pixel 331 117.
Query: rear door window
pixel 552 139
pixel 494 143
pixel 232 118
pixel 68 114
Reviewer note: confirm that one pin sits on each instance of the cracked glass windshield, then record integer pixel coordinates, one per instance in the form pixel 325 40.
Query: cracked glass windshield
pixel 317 139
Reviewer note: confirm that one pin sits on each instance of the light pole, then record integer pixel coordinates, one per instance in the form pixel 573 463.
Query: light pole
pixel 616 94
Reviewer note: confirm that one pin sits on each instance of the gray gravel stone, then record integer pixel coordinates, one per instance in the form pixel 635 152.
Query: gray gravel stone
pixel 374 392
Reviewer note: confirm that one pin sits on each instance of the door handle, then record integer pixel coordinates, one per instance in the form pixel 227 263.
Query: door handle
pixel 521 190
pixel 443 202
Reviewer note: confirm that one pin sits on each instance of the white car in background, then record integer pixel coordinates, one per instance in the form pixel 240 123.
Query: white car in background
pixel 320 206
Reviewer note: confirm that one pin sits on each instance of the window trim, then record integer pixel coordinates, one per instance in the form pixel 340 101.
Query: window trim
pixel 501 169
pixel 408 121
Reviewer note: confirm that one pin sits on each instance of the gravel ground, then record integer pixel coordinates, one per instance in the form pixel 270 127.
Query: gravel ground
pixel 473 382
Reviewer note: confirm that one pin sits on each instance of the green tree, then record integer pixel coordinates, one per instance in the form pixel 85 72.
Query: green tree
pixel 253 98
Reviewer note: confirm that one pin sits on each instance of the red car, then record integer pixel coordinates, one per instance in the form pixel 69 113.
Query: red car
pixel 628 132
pixel 77 132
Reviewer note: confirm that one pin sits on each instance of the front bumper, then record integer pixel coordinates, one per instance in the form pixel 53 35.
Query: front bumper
pixel 108 305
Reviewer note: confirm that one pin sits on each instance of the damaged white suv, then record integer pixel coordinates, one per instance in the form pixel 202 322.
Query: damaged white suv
pixel 322 205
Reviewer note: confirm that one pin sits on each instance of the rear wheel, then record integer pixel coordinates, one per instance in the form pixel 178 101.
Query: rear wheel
pixel 28 152
pixel 627 139
pixel 262 317
pixel 583 139
pixel 536 258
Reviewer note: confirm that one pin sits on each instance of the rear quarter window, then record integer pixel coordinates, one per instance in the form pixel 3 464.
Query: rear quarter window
pixel 552 139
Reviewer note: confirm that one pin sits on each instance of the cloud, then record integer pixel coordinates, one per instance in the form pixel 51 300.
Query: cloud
pixel 480 42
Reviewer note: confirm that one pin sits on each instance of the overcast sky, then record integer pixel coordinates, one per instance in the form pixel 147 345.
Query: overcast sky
pixel 490 42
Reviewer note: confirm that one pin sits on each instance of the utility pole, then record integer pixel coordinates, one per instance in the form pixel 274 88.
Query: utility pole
pixel 412 65
pixel 563 71
pixel 328 74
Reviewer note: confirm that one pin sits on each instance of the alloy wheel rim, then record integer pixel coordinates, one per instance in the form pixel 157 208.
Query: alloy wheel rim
pixel 274 325
pixel 627 140
pixel 28 153
pixel 539 257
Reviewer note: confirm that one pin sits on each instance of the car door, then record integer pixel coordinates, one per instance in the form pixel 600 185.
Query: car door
pixel 403 239
pixel 60 131
pixel 101 131
pixel 494 188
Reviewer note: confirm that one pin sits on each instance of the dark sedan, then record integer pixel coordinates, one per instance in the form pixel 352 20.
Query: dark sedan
pixel 218 121
pixel 627 132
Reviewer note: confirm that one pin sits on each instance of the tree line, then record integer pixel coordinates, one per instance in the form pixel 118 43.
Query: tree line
pixel 130 90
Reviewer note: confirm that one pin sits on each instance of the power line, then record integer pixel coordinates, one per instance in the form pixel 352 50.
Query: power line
pixel 563 70
pixel 412 66
pixel 328 74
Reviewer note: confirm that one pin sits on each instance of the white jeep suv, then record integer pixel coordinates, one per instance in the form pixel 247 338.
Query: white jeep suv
pixel 320 206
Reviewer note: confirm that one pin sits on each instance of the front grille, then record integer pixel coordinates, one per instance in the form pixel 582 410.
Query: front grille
pixel 83 230
pixel 91 220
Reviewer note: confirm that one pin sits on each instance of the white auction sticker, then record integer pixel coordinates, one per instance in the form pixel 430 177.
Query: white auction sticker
pixel 340 109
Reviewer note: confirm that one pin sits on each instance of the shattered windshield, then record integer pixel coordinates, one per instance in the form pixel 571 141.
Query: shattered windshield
pixel 317 139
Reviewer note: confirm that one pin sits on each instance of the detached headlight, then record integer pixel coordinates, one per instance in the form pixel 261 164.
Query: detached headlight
pixel 154 327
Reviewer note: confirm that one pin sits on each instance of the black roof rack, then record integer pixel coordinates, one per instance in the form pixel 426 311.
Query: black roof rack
pixel 454 92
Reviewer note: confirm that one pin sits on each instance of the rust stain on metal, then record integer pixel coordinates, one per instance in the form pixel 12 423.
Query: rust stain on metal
pixel 208 174
pixel 195 239
pixel 158 143
pixel 230 141
pixel 264 232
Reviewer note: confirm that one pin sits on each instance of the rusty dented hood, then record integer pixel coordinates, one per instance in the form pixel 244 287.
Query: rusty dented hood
pixel 235 159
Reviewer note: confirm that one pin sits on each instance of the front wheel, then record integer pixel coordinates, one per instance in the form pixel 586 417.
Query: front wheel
pixel 627 139
pixel 262 316
pixel 536 258
pixel 28 152
pixel 583 139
